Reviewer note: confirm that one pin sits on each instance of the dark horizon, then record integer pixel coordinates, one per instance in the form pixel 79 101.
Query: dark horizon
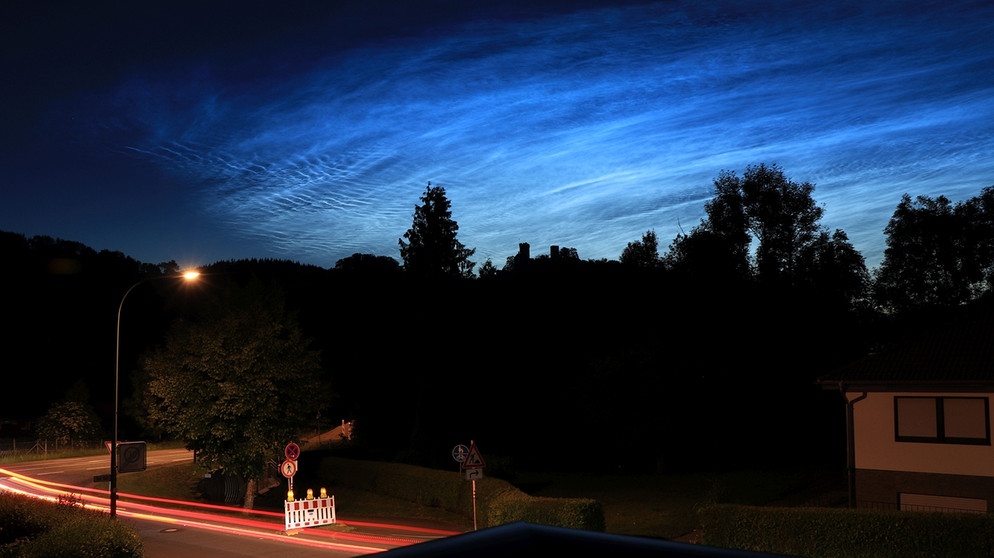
pixel 710 370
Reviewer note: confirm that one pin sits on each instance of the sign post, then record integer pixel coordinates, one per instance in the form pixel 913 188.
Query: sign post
pixel 471 463
pixel 289 467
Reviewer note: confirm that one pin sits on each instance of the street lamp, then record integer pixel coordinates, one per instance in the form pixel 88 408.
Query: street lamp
pixel 189 276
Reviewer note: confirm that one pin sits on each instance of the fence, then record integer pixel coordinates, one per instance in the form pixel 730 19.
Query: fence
pixel 894 506
pixel 16 447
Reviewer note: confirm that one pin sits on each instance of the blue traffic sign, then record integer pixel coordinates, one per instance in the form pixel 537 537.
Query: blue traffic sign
pixel 292 451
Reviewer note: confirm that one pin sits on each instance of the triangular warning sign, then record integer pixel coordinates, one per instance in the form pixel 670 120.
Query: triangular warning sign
pixel 473 459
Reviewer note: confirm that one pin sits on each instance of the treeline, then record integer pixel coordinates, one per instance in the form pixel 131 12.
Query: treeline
pixel 704 356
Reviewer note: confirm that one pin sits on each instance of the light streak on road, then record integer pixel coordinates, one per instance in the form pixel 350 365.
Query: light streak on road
pixel 263 524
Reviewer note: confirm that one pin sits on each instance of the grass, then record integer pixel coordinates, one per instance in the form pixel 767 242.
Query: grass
pixel 658 506
pixel 664 506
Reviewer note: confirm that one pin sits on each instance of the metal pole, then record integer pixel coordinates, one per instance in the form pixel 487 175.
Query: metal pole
pixel 117 376
pixel 474 504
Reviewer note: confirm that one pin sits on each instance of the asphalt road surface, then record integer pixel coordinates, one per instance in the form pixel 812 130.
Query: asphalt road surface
pixel 169 531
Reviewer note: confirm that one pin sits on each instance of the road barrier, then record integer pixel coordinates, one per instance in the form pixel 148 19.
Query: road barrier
pixel 310 512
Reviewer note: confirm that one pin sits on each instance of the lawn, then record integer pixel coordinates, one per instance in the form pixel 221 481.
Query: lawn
pixel 658 506
pixel 663 506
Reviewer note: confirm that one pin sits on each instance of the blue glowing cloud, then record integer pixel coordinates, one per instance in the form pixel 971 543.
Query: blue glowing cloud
pixel 581 127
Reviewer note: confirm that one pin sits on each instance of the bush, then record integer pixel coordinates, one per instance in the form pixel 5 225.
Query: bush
pixel 848 533
pixel 19 519
pixel 33 528
pixel 498 501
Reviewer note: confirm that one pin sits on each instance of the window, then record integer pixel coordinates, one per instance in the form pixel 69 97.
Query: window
pixel 943 420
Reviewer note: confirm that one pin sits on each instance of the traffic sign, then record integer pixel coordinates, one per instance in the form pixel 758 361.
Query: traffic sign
pixel 131 457
pixel 473 459
pixel 460 452
pixel 292 451
pixel 289 468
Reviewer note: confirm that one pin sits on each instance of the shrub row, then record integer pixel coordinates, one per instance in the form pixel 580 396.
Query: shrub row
pixel 847 533
pixel 35 528
pixel 497 501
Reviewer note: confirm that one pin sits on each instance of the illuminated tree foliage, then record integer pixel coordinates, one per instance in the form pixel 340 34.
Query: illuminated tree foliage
pixel 68 424
pixel 432 249
pixel 236 386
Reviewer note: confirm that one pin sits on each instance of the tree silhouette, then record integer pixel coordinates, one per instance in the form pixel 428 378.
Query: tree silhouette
pixel 432 249
pixel 642 253
pixel 367 264
pixel 488 269
pixel 938 254
pixel 783 218
pixel 719 245
pixel 766 226
pixel 831 267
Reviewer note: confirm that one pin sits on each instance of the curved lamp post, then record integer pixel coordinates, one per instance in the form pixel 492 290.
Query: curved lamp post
pixel 189 276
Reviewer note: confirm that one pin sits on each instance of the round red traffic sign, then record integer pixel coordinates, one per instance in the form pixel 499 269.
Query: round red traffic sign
pixel 289 468
pixel 292 451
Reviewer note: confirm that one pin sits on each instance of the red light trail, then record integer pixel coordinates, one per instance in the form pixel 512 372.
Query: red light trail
pixel 255 523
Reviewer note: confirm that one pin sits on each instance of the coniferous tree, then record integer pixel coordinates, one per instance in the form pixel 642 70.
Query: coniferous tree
pixel 432 249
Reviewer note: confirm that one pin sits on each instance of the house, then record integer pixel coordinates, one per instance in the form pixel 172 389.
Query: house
pixel 918 421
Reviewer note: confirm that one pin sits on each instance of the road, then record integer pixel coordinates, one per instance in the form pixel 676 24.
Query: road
pixel 171 529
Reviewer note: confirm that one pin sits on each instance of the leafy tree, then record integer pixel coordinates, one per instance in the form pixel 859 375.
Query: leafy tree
pixel 938 254
pixel 978 214
pixel 71 421
pixel 642 253
pixel 567 254
pixel 719 246
pixel 68 423
pixel 367 264
pixel 704 255
pixel 727 223
pixel 432 249
pixel 783 218
pixel 832 267
pixel 766 226
pixel 237 385
pixel 511 264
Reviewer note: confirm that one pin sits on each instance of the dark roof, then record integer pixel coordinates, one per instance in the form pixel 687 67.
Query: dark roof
pixel 528 539
pixel 959 357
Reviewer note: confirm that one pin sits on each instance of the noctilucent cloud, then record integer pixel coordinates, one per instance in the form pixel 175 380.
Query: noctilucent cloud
pixel 307 131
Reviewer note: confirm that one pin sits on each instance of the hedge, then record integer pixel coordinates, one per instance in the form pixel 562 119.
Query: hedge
pixel 497 501
pixel 848 533
pixel 35 528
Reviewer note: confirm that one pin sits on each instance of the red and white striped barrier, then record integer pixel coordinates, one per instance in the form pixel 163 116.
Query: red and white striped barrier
pixel 310 512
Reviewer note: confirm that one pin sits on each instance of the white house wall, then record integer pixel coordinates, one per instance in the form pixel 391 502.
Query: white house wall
pixel 876 448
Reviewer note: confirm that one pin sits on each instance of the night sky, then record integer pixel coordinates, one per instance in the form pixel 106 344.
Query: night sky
pixel 307 131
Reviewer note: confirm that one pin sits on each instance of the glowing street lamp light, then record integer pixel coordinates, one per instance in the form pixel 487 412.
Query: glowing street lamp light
pixel 189 276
